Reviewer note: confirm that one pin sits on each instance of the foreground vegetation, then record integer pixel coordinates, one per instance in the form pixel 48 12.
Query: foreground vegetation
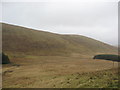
pixel 59 72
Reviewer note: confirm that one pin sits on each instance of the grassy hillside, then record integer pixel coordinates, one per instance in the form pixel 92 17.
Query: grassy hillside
pixel 22 40
pixel 47 60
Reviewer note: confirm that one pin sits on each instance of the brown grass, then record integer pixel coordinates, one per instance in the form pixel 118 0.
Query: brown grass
pixel 22 40
pixel 52 71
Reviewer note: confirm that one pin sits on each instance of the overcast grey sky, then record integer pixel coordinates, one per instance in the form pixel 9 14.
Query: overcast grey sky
pixel 98 20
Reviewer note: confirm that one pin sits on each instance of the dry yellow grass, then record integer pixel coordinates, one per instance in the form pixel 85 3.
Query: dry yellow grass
pixel 52 71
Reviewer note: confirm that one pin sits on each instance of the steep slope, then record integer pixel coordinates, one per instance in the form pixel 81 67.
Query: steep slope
pixel 21 40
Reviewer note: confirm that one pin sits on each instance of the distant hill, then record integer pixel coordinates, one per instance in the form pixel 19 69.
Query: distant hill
pixel 23 40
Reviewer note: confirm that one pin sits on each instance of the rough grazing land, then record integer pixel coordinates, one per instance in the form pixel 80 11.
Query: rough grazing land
pixel 47 60
pixel 59 72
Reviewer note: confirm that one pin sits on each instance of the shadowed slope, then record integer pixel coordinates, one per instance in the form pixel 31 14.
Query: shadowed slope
pixel 18 39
